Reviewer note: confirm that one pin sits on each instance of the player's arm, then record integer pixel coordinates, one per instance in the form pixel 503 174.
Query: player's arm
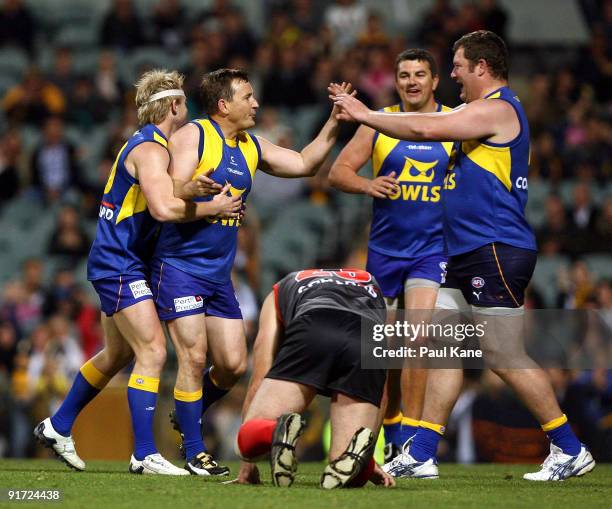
pixel 183 148
pixel 476 120
pixel 149 162
pixel 265 348
pixel 343 173
pixel 283 162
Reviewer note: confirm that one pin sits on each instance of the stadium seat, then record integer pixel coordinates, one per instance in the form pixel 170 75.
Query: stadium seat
pixel 13 63
pixel 600 265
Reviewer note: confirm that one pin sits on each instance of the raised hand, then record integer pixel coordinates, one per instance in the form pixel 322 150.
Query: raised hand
pixel 349 107
pixel 335 89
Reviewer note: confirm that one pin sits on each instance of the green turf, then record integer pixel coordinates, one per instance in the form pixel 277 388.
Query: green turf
pixel 108 485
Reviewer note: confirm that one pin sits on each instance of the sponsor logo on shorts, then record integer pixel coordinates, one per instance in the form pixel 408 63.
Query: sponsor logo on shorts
pixel 188 303
pixel 139 381
pixel 140 288
pixel 478 282
pixel 477 294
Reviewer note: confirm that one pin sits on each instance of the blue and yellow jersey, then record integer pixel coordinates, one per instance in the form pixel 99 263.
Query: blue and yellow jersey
pixel 409 223
pixel 206 248
pixel 126 230
pixel 486 192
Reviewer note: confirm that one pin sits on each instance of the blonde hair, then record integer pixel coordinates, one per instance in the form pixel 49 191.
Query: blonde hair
pixel 150 83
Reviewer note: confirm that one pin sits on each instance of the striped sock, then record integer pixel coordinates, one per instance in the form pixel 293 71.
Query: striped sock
pixel 425 443
pixel 210 391
pixel 188 407
pixel 142 397
pixel 409 428
pixel 86 386
pixel 560 433
pixel 393 428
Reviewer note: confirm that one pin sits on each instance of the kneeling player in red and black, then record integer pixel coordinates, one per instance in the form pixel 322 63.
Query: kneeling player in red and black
pixel 309 342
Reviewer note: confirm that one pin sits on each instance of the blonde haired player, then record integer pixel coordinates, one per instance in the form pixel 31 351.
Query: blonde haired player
pixel 139 192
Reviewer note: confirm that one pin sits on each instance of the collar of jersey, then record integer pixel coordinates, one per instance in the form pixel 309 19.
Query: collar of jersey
pixel 494 92
pixel 230 143
pixel 158 131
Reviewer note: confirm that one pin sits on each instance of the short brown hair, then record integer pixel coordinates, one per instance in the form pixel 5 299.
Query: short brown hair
pixel 422 55
pixel 217 85
pixel 150 83
pixel 488 46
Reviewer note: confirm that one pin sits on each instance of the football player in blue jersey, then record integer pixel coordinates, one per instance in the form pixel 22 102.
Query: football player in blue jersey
pixel 139 192
pixel 491 247
pixel 192 262
pixel 406 257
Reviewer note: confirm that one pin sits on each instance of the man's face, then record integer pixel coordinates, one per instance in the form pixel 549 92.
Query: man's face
pixel 414 83
pixel 462 74
pixel 243 106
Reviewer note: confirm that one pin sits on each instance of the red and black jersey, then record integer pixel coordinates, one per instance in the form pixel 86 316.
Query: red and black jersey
pixel 355 291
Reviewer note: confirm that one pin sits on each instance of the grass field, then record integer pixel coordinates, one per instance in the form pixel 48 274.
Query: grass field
pixel 108 485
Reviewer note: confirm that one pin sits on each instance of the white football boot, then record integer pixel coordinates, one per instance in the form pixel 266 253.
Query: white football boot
pixel 559 466
pixel 155 464
pixel 62 446
pixel 406 466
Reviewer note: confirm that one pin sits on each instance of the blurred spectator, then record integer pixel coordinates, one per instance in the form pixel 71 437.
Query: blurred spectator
pixel 69 238
pixel 306 16
pixel 22 301
pixel 287 84
pixel 556 225
pixel 59 299
pixel 10 151
pixel 106 80
pixel 603 227
pixel 33 100
pixel 494 17
pixel 168 22
pixel 199 64
pixel 575 287
pixel 378 79
pixel 433 22
pixel 374 35
pixel 86 108
pixel 8 347
pixel 240 40
pixel 584 211
pixel 122 28
pixel 18 25
pixel 62 74
pixel 346 19
pixel 546 159
pixel 54 167
pixel 86 317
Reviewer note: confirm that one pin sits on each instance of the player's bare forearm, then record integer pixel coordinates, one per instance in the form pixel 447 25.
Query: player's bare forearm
pixel 315 153
pixel 403 126
pixel 343 178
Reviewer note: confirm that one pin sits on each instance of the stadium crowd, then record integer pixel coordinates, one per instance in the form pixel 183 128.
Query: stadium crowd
pixel 70 107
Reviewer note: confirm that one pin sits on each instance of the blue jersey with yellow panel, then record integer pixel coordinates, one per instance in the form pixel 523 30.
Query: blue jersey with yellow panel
pixel 207 248
pixel 486 191
pixel 126 231
pixel 409 223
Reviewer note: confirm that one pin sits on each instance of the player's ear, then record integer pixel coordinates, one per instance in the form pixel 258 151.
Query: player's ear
pixel 222 106
pixel 436 82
